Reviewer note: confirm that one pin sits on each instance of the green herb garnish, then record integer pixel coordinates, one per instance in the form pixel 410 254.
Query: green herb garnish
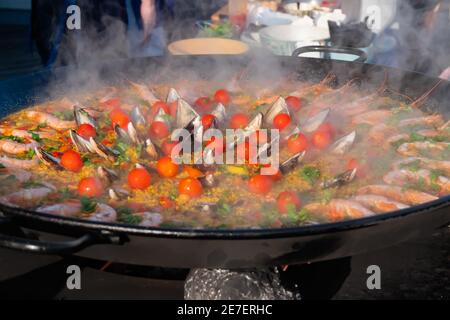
pixel 88 205
pixel 310 174
pixel 125 215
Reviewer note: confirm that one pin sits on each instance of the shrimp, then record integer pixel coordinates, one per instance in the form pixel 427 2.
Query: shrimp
pixel 103 213
pixel 378 133
pixel 50 120
pixel 72 208
pixel 413 149
pixel 434 120
pixel 406 196
pixel 26 197
pixel 401 177
pixel 13 147
pixel 371 117
pixel 339 209
pixel 17 163
pixel 144 92
pixel 428 163
pixel 149 219
pixel 28 135
pixel 379 204
pixel 21 175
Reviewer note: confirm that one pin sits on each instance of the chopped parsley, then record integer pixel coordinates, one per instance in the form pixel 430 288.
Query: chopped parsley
pixel 34 136
pixel 125 215
pixel 88 205
pixel 64 115
pixel 310 174
pixel 413 166
pixel 13 138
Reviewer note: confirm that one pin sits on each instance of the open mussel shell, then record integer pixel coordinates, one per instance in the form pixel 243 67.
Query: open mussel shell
pixel 219 113
pixel 137 117
pixel 108 175
pixel 340 179
pixel 185 114
pixel 173 96
pixel 122 134
pixel 292 163
pixel 118 194
pixel 162 116
pixel 344 144
pixel 280 106
pixel 83 117
pixel 151 150
pixel 313 123
pixel 80 143
pixel 208 180
pixel 129 136
pixel 48 159
pixel 103 151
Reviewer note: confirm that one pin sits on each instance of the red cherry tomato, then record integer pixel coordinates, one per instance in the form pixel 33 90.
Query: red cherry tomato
pixel 321 139
pixel 119 117
pixel 112 103
pixel 166 168
pixel 297 143
pixel 159 130
pixel 167 147
pixel 294 103
pixel 361 169
pixel 161 105
pixel 204 104
pixel 260 184
pixel 86 131
pixel 287 200
pixel 207 120
pixel 139 178
pixel 281 121
pixel 239 121
pixel 191 187
pixel 222 96
pixel 166 202
pixel 90 187
pixel 328 127
pixel 71 160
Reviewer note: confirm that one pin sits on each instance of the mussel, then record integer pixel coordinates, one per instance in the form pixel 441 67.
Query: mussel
pixel 340 179
pixel 48 159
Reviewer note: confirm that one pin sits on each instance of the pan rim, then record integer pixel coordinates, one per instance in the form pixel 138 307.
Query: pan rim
pixel 226 234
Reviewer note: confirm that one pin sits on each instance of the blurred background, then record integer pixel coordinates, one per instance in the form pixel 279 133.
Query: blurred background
pixel 409 34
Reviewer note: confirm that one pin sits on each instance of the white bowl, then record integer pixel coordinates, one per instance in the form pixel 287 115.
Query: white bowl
pixel 284 39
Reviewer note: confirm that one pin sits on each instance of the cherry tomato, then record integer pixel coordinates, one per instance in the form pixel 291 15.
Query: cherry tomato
pixel 90 187
pixel 297 143
pixel 204 104
pixel 260 184
pixel 86 131
pixel 281 121
pixel 71 160
pixel 159 130
pixel 239 121
pixel 139 178
pixel 208 120
pixel 294 103
pixel 218 144
pixel 173 108
pixel 161 105
pixel 112 103
pixel 321 139
pixel 287 200
pixel 166 202
pixel 119 117
pixel 222 96
pixel 191 187
pixel 328 127
pixel 167 147
pixel 166 168
pixel 361 169
pixel 192 172
pixel 259 136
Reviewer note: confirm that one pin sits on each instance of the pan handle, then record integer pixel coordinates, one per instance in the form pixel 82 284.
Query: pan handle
pixel 46 247
pixel 362 56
